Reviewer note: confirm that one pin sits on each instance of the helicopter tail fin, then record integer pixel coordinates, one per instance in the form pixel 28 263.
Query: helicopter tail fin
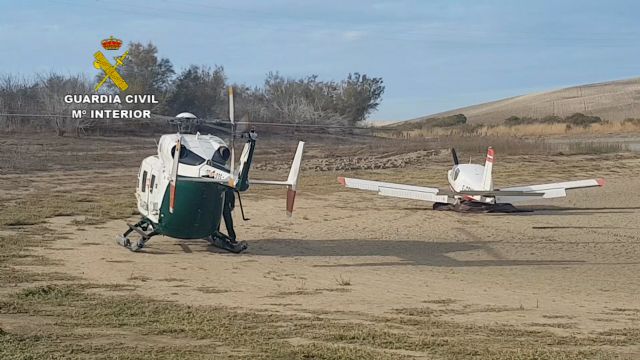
pixel 292 180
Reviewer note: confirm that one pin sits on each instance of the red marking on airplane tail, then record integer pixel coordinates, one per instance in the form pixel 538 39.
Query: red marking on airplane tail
pixel 490 155
pixel 342 181
pixel 600 181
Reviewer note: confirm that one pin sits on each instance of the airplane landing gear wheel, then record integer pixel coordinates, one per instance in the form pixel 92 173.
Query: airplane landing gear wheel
pixel 441 206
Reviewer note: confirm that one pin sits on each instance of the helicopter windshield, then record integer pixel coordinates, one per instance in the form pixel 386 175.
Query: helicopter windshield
pixel 188 157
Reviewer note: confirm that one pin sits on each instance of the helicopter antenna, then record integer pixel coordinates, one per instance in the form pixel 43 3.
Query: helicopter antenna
pixel 233 133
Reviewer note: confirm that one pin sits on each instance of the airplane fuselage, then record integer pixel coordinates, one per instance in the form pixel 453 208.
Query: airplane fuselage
pixel 469 177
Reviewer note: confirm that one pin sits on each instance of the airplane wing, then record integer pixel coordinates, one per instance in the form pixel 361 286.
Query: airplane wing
pixel 548 191
pixel 397 190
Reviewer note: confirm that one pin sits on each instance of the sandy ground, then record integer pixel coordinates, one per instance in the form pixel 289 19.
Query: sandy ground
pixel 570 266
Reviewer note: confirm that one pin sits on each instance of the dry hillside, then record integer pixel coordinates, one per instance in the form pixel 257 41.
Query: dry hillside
pixel 614 101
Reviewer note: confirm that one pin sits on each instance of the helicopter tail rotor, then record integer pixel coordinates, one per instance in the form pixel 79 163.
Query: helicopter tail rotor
pixel 294 175
pixel 292 181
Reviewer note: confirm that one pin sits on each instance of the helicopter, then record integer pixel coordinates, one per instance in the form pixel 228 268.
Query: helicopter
pixel 181 191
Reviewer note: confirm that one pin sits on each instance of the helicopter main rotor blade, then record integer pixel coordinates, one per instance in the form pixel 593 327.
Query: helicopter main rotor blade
pixel 233 135
pixel 216 125
pixel 174 176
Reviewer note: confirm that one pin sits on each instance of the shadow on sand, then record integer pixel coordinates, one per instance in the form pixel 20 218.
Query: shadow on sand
pixel 411 252
pixel 532 210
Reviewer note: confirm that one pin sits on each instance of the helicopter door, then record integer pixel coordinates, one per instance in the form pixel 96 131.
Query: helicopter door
pixel 155 191
pixel 155 194
pixel 144 194
pixel 150 188
pixel 144 187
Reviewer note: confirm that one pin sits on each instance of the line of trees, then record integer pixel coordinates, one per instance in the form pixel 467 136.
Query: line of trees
pixel 197 89
pixel 577 119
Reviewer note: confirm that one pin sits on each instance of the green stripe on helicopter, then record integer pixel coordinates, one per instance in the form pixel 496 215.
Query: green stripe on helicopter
pixel 197 210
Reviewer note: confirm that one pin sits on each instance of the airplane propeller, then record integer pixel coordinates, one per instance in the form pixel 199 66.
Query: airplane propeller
pixel 455 156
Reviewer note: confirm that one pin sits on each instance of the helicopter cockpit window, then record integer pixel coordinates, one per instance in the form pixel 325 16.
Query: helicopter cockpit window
pixel 153 182
pixel 456 173
pixel 220 157
pixel 188 157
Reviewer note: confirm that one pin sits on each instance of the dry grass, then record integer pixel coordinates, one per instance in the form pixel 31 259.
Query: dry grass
pixel 614 101
pixel 40 152
pixel 211 290
pixel 341 281
pixel 37 207
pixel 180 331
pixel 525 130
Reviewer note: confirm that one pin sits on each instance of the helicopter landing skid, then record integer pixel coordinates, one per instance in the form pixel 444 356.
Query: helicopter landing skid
pixel 223 242
pixel 141 227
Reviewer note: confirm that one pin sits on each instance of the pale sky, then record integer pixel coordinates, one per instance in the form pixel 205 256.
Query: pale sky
pixel 432 55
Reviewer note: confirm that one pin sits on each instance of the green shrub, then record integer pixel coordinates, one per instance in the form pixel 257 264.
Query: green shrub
pixel 583 120
pixel 577 119
pixel 516 120
pixel 448 121
pixel 631 121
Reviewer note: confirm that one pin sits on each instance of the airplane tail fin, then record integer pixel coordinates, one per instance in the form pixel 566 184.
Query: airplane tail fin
pixel 487 177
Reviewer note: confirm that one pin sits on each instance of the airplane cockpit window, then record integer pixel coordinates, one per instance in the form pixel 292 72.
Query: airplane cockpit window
pixel 456 173
pixel 187 156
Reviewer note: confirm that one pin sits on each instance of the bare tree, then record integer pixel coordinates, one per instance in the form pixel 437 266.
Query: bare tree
pixel 51 91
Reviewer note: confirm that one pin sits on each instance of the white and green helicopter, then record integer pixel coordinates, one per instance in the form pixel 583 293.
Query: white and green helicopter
pixel 181 191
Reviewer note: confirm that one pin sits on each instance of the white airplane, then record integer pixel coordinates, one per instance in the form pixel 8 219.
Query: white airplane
pixel 471 186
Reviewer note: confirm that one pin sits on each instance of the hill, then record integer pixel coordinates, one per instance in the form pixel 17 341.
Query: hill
pixel 613 101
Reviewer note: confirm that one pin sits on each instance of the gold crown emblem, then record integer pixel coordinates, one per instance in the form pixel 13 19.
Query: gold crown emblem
pixel 111 43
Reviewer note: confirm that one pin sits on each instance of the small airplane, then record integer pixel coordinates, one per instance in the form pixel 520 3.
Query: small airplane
pixel 471 188
pixel 181 191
